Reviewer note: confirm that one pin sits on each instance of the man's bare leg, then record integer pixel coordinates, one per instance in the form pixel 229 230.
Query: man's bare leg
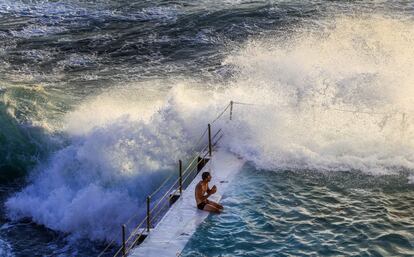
pixel 217 205
pixel 211 208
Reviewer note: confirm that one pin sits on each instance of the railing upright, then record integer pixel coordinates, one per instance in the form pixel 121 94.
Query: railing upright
pixel 181 180
pixel 148 213
pixel 231 110
pixel 209 140
pixel 180 164
pixel 123 241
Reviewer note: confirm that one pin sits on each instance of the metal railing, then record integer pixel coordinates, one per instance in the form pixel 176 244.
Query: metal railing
pixel 175 189
pixel 185 176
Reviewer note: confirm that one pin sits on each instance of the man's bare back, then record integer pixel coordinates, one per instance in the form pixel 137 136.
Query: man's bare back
pixel 202 192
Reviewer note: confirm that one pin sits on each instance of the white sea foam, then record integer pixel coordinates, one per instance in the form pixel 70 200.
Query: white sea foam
pixel 5 249
pixel 78 61
pixel 58 11
pixel 169 13
pixel 363 64
pixel 122 146
pixel 37 31
pixel 103 177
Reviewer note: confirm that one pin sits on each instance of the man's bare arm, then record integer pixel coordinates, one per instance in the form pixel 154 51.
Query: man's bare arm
pixel 199 193
pixel 212 190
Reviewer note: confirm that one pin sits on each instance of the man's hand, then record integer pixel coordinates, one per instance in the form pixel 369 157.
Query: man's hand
pixel 213 190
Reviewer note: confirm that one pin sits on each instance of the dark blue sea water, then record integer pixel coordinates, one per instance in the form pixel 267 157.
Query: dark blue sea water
pixel 99 99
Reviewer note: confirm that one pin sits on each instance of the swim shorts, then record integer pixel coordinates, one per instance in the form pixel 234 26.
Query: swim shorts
pixel 201 205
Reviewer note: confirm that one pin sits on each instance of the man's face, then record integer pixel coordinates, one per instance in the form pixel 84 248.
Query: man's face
pixel 209 178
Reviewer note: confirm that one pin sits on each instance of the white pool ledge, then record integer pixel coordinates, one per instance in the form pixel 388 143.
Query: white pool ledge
pixel 174 230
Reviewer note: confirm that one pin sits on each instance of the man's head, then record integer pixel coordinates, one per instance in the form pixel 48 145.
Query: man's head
pixel 206 176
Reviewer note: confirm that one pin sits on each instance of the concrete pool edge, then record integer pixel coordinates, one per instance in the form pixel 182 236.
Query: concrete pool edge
pixel 177 226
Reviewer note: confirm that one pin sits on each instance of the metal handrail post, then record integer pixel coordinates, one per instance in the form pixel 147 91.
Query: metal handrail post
pixel 148 213
pixel 200 159
pixel 209 139
pixel 123 241
pixel 231 109
pixel 180 164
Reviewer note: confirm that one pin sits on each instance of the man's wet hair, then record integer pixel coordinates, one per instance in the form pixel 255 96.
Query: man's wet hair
pixel 205 175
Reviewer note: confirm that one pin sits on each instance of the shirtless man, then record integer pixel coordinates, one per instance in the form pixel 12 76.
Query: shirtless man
pixel 202 192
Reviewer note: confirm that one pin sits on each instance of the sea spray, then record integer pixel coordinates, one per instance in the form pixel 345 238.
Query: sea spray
pixel 328 100
pixel 321 100
pixel 102 178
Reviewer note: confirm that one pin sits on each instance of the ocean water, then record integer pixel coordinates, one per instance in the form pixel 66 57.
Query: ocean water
pixel 100 99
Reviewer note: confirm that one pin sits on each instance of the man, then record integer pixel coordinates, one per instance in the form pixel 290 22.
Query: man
pixel 202 192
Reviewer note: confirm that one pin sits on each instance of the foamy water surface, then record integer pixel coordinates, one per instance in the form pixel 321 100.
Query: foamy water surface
pixel 99 100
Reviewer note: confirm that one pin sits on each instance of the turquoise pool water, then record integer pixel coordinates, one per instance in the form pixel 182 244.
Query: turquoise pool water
pixel 285 213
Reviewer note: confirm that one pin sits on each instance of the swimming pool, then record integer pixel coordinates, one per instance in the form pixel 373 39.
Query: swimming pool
pixel 305 213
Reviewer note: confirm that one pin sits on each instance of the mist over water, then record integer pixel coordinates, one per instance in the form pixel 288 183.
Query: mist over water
pixel 111 95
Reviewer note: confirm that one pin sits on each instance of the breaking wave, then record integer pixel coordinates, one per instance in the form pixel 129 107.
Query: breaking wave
pixel 335 99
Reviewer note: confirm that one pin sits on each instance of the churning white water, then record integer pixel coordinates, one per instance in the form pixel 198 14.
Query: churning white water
pixel 338 97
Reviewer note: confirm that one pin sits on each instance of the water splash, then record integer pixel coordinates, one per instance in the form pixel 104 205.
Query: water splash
pixel 299 84
pixel 120 148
